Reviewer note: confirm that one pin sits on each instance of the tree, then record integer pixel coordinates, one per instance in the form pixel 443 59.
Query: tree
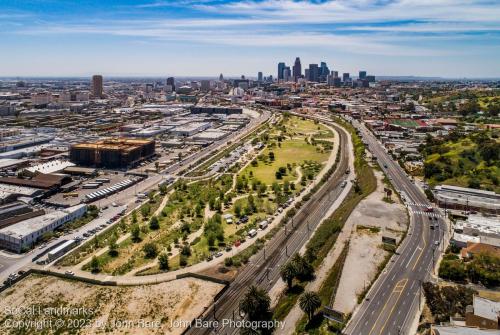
pixel 113 247
pixel 304 270
pixel 136 233
pixel 186 250
pixel 288 271
pixel 145 210
pixel 150 250
pixel 309 302
pixel 256 304
pixel 493 109
pixel 154 224
pixel 95 266
pixel 163 189
pixel 237 210
pixel 163 261
pixel 271 156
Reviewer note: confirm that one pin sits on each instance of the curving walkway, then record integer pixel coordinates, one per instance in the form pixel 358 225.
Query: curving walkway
pixel 172 275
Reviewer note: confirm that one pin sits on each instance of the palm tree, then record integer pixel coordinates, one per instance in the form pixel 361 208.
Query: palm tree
pixel 288 271
pixel 309 302
pixel 256 304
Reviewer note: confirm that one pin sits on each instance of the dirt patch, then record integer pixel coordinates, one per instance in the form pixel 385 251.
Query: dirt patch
pixel 373 218
pixel 148 309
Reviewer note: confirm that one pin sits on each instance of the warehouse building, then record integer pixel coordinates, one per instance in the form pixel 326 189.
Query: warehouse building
pixel 469 199
pixel 23 235
pixel 215 110
pixel 112 153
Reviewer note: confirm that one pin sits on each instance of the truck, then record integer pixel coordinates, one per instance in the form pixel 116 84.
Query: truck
pixel 252 233
pixel 263 224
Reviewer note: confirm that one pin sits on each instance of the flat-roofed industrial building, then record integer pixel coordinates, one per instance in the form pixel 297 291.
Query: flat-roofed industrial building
pixel 24 234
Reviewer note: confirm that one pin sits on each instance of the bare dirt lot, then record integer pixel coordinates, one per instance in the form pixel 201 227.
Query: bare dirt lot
pixel 372 219
pixel 93 309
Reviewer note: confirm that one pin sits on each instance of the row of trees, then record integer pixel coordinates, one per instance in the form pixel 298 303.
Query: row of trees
pixel 256 306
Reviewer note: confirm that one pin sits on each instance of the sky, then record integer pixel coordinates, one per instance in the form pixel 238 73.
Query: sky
pixel 446 38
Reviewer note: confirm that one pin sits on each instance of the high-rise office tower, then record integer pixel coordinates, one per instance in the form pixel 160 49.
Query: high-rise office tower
pixel 313 73
pixel 97 86
pixel 171 82
pixel 297 69
pixel 281 67
pixel 335 74
pixel 259 77
pixel 345 77
pixel 221 77
pixel 287 73
pixel 324 71
pixel 362 75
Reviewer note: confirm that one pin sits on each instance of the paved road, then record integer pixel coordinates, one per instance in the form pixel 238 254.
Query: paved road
pixel 127 197
pixel 263 268
pixel 13 263
pixel 393 302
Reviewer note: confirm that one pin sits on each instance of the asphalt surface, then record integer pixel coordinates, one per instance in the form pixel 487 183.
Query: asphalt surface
pixel 263 267
pixel 16 262
pixel 393 302
pixel 11 263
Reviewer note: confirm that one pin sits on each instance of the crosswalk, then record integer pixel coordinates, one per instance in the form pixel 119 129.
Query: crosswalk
pixel 416 205
pixel 429 214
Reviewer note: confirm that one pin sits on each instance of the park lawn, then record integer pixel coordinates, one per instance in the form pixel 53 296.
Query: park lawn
pixel 293 152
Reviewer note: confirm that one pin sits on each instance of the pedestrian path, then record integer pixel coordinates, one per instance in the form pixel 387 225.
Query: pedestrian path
pixel 429 214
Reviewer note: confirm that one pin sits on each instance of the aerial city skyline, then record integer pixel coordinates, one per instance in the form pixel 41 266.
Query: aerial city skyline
pixel 263 167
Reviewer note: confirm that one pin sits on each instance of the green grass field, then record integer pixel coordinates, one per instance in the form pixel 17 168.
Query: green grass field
pixel 294 150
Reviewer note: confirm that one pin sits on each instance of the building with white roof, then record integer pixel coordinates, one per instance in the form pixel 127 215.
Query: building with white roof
pixel 24 234
pixel 51 166
pixel 454 197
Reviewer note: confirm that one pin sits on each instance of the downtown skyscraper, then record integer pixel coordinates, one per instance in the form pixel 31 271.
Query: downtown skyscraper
pixel 297 69
pixel 281 68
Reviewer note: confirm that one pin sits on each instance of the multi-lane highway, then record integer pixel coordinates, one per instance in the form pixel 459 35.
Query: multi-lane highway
pixel 393 302
pixel 263 268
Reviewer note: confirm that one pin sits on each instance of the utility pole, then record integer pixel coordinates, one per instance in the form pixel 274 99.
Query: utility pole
pixel 420 292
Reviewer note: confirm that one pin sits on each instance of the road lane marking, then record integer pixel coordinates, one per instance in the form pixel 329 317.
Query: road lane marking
pixel 394 306
pixel 398 289
pixel 423 248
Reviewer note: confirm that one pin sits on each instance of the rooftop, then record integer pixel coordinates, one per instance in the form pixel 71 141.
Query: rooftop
pixel 29 226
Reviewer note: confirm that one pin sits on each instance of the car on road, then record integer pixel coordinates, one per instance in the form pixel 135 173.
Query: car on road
pixel 436 242
pixel 385 166
pixel 69 273
pixel 218 254
pixel 209 258
pixel 228 248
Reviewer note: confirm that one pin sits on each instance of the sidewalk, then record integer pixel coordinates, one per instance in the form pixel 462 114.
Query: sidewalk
pixel 168 276
pixel 322 272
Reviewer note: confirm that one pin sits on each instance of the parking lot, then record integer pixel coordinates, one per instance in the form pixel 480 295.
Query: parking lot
pixel 88 186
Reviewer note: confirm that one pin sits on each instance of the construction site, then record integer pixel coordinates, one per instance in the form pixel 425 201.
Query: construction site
pixel 112 153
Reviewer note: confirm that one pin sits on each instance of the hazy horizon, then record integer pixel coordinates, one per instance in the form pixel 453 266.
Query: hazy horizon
pixel 125 38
